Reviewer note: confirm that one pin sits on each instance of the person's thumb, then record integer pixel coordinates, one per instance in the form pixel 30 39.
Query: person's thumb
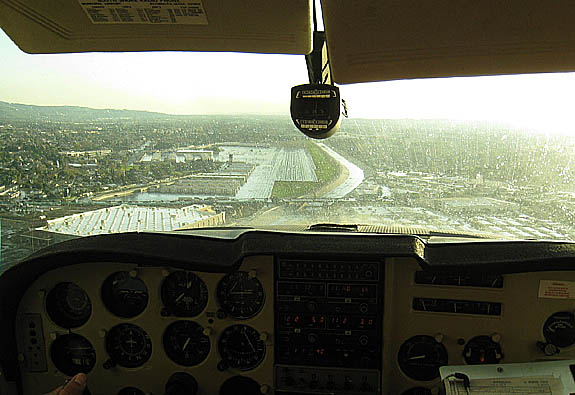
pixel 75 386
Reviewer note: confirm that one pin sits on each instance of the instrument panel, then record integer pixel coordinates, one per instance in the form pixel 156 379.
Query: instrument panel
pixel 283 325
pixel 149 330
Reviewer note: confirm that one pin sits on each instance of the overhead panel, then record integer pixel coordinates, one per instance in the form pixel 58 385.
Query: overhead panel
pixel 378 40
pixel 54 26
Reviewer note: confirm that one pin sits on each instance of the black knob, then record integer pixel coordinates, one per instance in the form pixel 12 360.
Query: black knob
pixel 312 338
pixel 548 348
pixel 330 385
pixel 109 364
pixel 311 306
pixel 181 383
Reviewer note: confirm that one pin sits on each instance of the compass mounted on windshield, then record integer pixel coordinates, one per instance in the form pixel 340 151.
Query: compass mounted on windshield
pixel 316 107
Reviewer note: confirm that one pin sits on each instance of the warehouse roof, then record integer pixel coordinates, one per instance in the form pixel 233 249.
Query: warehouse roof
pixel 127 218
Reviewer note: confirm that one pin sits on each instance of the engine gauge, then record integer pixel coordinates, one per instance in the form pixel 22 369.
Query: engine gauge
pixel 128 345
pixel 421 356
pixel 68 305
pixel 559 329
pixel 185 343
pixel 130 391
pixel 241 348
pixel 240 295
pixel 73 354
pixel 482 350
pixel 124 295
pixel 184 294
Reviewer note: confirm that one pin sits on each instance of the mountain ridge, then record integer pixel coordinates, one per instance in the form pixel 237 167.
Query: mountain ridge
pixel 29 112
pixel 18 111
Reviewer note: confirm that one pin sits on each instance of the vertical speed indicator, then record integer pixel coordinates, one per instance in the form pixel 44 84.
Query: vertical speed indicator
pixel 241 347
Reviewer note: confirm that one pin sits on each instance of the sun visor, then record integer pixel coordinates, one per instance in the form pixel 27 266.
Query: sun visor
pixel 378 40
pixel 54 26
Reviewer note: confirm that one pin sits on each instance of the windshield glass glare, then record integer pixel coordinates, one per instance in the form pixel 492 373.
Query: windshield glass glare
pixel 106 143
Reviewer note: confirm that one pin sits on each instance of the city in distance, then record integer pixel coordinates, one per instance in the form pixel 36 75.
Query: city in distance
pixel 73 171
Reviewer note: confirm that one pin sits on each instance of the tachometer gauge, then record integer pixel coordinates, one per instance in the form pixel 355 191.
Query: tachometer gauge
pixel 73 354
pixel 240 295
pixel 185 343
pixel 68 305
pixel 124 295
pixel 421 356
pixel 241 348
pixel 559 329
pixel 128 345
pixel 184 294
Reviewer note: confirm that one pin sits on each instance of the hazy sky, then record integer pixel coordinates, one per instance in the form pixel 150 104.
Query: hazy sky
pixel 211 83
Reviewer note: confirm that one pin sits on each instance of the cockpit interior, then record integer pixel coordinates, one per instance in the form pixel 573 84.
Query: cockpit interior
pixel 293 310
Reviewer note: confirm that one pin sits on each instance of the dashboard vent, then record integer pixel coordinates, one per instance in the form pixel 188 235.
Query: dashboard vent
pixel 484 280
pixel 456 306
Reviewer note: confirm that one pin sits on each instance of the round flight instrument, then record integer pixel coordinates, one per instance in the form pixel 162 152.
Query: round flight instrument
pixel 185 343
pixel 130 391
pixel 240 385
pixel 241 348
pixel 124 295
pixel 68 305
pixel 73 354
pixel 559 329
pixel 481 350
pixel 240 295
pixel 421 356
pixel 184 294
pixel 128 345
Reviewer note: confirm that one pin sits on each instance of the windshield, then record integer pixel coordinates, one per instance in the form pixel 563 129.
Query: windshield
pixel 114 142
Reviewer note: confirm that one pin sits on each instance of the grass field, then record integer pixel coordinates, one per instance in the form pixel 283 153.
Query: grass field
pixel 287 189
pixel 326 170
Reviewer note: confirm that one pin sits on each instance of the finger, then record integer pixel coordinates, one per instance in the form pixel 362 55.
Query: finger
pixel 75 386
